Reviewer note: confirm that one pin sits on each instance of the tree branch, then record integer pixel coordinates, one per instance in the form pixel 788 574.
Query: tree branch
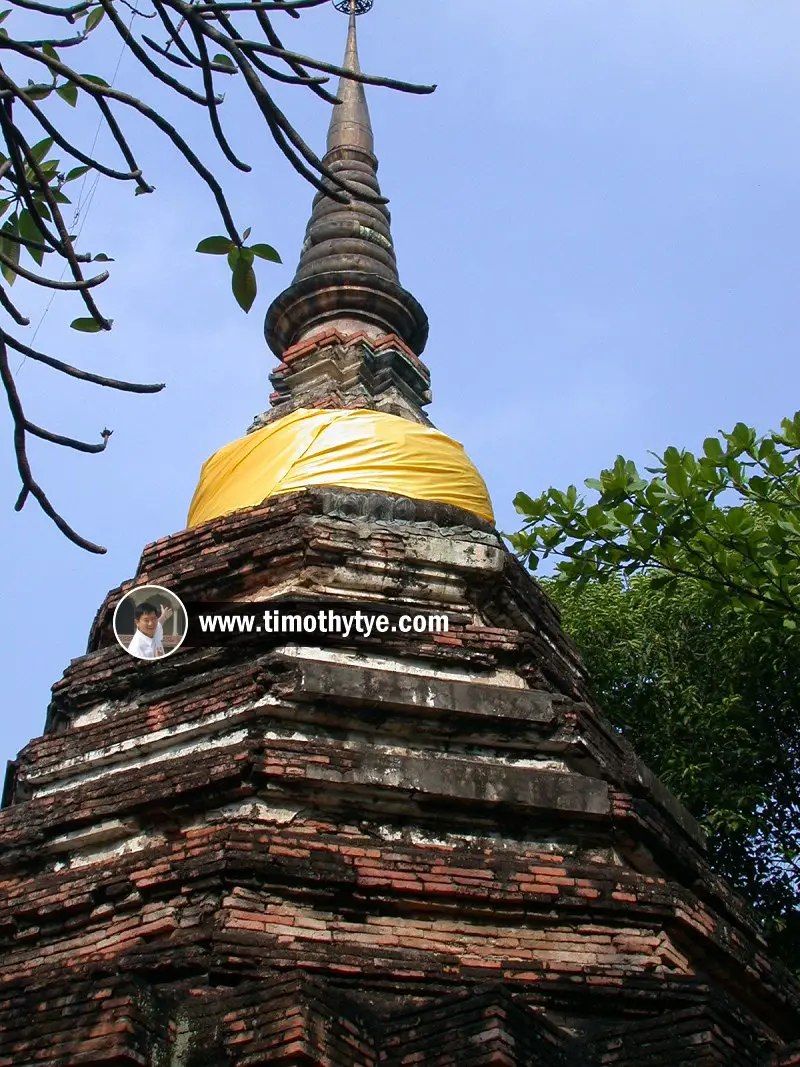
pixel 29 485
pixel 67 442
pixel 74 372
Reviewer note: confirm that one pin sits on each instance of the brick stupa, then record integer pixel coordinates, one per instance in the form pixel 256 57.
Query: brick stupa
pixel 423 850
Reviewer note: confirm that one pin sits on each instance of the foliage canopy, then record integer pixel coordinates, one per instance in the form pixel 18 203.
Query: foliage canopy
pixel 682 591
pixel 730 518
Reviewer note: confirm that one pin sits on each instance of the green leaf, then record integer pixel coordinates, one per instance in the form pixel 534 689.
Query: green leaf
pixel 68 91
pixel 677 479
pixel 243 283
pixel 93 18
pixel 713 448
pixel 38 91
pixel 743 436
pixel 224 60
pixel 40 150
pixel 791 431
pixel 596 517
pixel 76 172
pixel 96 80
pixel 625 513
pixel 27 227
pixel 525 505
pixel 246 233
pixel 266 252
pixel 4 14
pixel 86 325
pixel 12 223
pixel 215 246
pixel 558 500
pixel 101 257
pixel 11 251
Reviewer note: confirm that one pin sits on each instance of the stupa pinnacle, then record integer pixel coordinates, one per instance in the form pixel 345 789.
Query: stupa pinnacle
pixel 347 273
pixel 350 123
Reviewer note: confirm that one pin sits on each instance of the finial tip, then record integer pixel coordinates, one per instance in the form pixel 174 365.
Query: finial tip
pixel 353 7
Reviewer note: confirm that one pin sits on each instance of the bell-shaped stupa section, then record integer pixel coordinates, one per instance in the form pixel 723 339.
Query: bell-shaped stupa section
pixel 351 448
pixel 350 389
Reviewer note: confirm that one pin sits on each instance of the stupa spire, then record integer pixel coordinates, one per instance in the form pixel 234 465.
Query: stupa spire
pixel 350 122
pixel 347 275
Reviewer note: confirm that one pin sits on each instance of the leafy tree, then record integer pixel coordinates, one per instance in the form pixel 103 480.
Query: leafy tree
pixel 730 518
pixel 682 591
pixel 708 697
pixel 41 77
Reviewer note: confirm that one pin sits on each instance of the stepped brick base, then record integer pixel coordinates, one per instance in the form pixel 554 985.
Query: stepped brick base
pixel 422 850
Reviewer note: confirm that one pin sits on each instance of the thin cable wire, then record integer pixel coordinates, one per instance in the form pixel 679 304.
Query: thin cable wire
pixel 83 204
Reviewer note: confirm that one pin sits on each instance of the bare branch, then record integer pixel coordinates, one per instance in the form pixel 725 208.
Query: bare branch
pixel 174 33
pixel 68 13
pixel 136 11
pixel 26 242
pixel 276 42
pixel 51 283
pixel 122 143
pixel 104 93
pixel 213 114
pixel 67 442
pixel 60 140
pixel 166 55
pixel 74 372
pixel 66 43
pixel 259 64
pixel 289 6
pixel 29 485
pixel 15 314
pixel 146 61
pixel 331 68
pixel 281 130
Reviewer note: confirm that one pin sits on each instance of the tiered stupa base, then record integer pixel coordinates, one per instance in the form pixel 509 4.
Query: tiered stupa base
pixel 423 850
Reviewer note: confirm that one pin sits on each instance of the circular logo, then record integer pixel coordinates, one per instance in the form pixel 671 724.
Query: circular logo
pixel 150 622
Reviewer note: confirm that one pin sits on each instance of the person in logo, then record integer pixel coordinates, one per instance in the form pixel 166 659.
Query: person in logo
pixel 148 641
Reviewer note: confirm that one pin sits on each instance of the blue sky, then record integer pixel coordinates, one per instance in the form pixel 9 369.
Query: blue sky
pixel 599 209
